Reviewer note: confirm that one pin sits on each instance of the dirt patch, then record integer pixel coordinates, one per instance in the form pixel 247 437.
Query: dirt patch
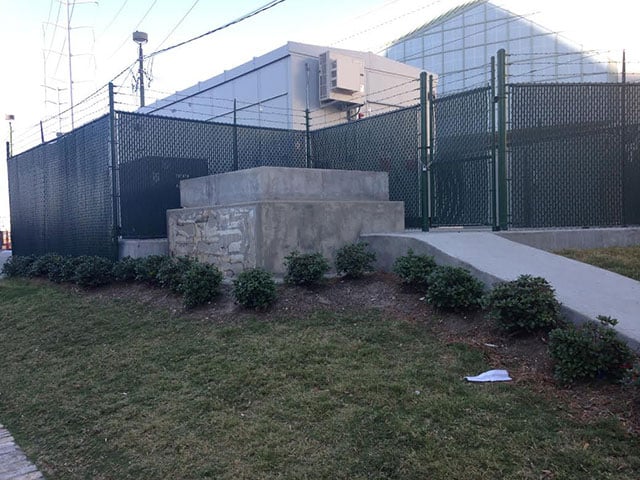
pixel 525 358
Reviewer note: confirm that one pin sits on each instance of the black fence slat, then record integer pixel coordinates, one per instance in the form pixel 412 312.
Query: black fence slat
pixel 60 195
pixel 382 143
pixel 462 159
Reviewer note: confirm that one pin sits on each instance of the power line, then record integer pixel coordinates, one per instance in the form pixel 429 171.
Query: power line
pixel 264 8
pixel 124 4
pixel 179 23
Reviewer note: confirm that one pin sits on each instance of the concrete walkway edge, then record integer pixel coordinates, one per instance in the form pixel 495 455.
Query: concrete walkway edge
pixel 584 291
pixel 14 464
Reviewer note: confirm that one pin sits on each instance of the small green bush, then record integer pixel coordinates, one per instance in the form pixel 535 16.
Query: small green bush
pixel 93 271
pixel 527 304
pixel 44 263
pixel 589 351
pixel 124 270
pixel 199 284
pixel 254 288
pixel 171 272
pixel 18 265
pixel 59 272
pixel 454 288
pixel 305 268
pixel 354 260
pixel 414 269
pixel 147 268
pixel 66 272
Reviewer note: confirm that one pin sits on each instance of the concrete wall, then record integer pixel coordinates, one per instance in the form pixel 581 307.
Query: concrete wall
pixel 276 183
pixel 555 240
pixel 261 234
pixel 143 248
pixel 390 247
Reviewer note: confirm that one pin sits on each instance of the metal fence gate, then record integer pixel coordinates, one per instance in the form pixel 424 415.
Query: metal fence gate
pixel 462 159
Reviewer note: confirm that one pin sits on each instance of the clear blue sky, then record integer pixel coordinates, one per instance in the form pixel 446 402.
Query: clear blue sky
pixel 102 45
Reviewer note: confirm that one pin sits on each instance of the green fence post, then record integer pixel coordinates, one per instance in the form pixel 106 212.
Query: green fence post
pixel 424 175
pixel 494 171
pixel 235 136
pixel 502 190
pixel 307 122
pixel 113 160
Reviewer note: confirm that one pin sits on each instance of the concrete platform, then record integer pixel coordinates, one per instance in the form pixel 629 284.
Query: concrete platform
pixel 584 291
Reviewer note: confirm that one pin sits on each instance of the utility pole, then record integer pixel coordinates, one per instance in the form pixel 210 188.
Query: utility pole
pixel 70 64
pixel 10 118
pixel 140 38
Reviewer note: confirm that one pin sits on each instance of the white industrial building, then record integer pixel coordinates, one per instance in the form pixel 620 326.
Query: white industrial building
pixel 458 46
pixel 275 89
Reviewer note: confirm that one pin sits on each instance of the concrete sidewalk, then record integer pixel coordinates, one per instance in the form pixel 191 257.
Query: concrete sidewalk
pixel 4 256
pixel 14 465
pixel 584 291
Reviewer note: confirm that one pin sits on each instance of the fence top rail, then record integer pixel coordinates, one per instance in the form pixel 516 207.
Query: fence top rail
pixel 462 94
pixel 204 122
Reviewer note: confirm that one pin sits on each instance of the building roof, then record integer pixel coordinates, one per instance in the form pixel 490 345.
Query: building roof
pixel 454 12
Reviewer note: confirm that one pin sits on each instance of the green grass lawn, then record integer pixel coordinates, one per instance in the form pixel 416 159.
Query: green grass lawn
pixel 622 260
pixel 115 390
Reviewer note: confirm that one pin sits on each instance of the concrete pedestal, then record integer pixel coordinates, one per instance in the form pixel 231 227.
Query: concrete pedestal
pixel 254 218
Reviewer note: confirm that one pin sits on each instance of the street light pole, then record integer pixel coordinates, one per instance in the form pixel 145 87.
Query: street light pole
pixel 140 38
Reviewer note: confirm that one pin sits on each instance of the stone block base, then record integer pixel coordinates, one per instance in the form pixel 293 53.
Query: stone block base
pixel 261 234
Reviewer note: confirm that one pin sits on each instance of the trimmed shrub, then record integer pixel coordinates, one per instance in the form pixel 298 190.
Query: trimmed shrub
pixel 199 284
pixel 18 265
pixel 124 270
pixel 93 271
pixel 44 263
pixel 172 270
pixel 305 268
pixel 454 288
pixel 58 270
pixel 147 268
pixel 254 288
pixel 589 351
pixel 414 269
pixel 527 304
pixel 354 260
pixel 67 270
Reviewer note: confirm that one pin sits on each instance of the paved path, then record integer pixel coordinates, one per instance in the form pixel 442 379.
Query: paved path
pixel 14 465
pixel 584 291
pixel 4 256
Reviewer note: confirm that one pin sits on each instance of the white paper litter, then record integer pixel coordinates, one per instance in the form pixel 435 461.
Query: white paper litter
pixel 491 376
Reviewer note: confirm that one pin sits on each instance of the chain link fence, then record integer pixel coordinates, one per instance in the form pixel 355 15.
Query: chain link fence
pixel 383 143
pixel 61 197
pixel 573 159
pixel 155 153
pixel 574 154
pixel 462 162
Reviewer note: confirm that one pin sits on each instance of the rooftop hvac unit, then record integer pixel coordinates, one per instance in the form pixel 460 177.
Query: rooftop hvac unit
pixel 341 79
